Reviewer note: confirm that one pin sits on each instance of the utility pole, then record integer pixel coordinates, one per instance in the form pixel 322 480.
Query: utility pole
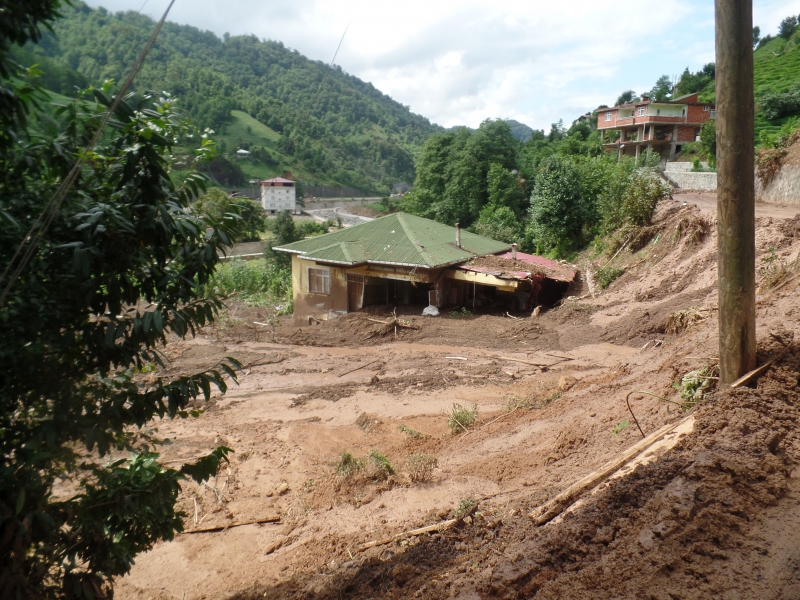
pixel 736 250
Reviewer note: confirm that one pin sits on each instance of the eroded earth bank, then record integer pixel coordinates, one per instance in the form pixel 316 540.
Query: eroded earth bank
pixel 711 511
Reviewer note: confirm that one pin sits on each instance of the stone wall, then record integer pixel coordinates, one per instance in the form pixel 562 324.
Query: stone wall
pixel 693 181
pixel 784 188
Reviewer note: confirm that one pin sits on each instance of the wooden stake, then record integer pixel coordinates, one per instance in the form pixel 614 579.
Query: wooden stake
pixel 735 189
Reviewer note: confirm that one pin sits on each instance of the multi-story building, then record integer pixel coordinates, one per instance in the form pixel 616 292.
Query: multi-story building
pixel 278 194
pixel 661 127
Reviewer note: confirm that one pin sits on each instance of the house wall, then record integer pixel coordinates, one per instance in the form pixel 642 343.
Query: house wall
pixel 279 197
pixel 319 306
pixel 686 133
pixel 697 114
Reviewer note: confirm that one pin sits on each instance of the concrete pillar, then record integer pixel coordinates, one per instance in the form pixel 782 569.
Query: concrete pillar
pixel 638 149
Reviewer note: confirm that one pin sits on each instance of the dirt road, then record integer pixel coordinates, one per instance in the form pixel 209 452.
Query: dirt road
pixel 707 202
pixel 698 519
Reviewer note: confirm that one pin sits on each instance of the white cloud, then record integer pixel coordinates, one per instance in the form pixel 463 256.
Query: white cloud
pixel 462 61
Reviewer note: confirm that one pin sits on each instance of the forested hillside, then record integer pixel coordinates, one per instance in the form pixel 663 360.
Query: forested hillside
pixel 257 95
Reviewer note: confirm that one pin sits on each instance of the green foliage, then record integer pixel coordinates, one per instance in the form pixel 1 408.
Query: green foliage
pixel 500 224
pixel 756 35
pixel 787 27
pixel 349 464
pixel 256 282
pixel 330 126
pixel 452 183
pixel 464 313
pixel 380 467
pixel 662 89
pixel 782 137
pixel 617 429
pixel 626 98
pixel 690 83
pixel 115 276
pixel 558 212
pixel 695 385
pixel 780 104
pixel 773 269
pixel 215 205
pixel 606 275
pixel 284 232
pixel 461 417
pixel 464 508
pixel 306 229
pixel 413 433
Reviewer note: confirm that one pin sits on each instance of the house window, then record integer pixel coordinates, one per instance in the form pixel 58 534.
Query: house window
pixel 706 108
pixel 608 116
pixel 713 114
pixel 319 281
pixel 641 111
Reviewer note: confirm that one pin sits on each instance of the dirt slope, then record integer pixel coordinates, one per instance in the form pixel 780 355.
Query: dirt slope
pixel 711 517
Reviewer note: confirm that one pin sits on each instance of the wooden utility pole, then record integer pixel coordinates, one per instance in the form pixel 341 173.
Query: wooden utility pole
pixel 736 250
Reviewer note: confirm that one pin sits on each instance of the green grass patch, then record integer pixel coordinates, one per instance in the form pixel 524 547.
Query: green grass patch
pixel 606 275
pixel 462 418
pixel 254 282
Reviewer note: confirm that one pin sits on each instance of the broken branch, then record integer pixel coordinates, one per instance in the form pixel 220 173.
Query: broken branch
pixel 224 527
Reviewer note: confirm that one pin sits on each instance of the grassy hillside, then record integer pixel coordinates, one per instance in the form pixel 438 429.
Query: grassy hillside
pixel 291 113
pixel 777 70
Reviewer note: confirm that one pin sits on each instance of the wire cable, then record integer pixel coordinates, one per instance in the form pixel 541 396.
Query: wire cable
pixel 45 218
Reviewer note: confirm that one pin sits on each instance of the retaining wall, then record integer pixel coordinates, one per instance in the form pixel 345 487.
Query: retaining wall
pixel 784 188
pixel 692 181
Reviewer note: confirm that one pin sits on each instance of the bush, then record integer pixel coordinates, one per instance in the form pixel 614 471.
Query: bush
pixel 380 467
pixel 253 282
pixel 780 104
pixel 348 464
pixel 420 466
pixel 606 275
pixel 462 418
pixel 645 190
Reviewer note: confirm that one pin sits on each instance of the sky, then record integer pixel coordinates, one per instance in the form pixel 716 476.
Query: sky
pixel 458 62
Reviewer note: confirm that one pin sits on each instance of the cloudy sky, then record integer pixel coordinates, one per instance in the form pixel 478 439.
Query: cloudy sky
pixel 459 62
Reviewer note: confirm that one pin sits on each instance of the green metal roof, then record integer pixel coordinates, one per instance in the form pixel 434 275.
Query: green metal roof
pixel 399 239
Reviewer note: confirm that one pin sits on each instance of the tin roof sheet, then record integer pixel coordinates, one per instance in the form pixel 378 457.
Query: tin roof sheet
pixel 398 238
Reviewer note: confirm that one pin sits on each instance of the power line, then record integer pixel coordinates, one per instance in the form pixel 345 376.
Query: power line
pixel 319 89
pixel 45 218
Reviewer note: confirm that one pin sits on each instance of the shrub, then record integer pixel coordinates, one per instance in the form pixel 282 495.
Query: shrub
pixel 465 507
pixel 780 104
pixel 644 191
pixel 348 464
pixel 413 433
pixel 380 467
pixel 606 275
pixel 252 282
pixel 420 466
pixel 462 418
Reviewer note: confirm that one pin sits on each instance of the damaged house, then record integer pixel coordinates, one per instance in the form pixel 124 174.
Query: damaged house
pixel 403 259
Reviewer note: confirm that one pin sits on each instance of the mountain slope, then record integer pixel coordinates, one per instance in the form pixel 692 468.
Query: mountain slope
pixel 319 121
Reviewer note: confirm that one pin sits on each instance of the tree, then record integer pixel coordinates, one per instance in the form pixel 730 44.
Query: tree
pixel 708 141
pixel 113 277
pixel 557 212
pixel 662 89
pixel 756 35
pixel 626 98
pixel 216 205
pixel 283 232
pixel 787 27
pixel 504 189
pixel 499 223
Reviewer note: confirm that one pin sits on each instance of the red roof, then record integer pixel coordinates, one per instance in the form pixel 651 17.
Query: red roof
pixel 277 180
pixel 547 268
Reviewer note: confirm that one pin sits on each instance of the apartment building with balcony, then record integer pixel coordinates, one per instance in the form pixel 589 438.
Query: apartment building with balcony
pixel 653 126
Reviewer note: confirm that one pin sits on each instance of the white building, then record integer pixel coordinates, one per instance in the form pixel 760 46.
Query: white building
pixel 278 194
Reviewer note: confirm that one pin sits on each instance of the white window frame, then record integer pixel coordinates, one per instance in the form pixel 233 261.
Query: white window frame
pixel 641 111
pixel 608 116
pixel 706 108
pixel 713 114
pixel 319 281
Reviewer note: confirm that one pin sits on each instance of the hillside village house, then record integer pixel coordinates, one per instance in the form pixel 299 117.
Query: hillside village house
pixel 661 127
pixel 278 194
pixel 403 259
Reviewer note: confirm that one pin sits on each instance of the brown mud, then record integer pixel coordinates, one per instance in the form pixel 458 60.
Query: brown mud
pixel 713 515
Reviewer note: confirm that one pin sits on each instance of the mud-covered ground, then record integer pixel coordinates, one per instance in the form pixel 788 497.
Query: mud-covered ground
pixel 713 514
